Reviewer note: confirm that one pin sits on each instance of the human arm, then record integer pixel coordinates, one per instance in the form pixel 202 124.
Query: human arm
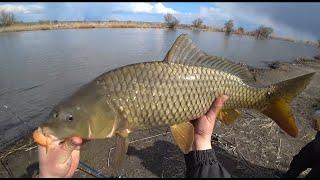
pixel 201 160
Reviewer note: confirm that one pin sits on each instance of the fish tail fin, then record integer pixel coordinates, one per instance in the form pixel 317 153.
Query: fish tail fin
pixel 279 107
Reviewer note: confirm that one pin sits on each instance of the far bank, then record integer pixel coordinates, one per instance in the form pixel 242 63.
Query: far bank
pixel 51 25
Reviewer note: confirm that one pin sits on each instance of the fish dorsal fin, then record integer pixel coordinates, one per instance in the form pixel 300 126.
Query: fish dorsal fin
pixel 184 51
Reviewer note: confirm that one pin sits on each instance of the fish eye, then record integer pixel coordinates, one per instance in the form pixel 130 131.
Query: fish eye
pixel 55 115
pixel 69 117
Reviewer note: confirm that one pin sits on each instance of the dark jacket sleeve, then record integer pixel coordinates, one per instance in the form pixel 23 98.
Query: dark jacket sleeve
pixel 204 164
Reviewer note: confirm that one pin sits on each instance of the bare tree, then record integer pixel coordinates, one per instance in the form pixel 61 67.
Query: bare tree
pixel 6 18
pixel 229 27
pixel 197 22
pixel 171 21
pixel 319 42
pixel 263 32
pixel 240 30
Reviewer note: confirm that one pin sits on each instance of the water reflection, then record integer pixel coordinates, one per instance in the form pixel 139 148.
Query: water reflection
pixel 226 42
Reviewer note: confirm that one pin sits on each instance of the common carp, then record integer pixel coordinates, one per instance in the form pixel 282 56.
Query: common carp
pixel 171 92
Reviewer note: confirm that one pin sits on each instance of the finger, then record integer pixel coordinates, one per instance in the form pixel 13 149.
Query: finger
pixel 75 157
pixel 76 141
pixel 72 143
pixel 216 107
pixel 67 147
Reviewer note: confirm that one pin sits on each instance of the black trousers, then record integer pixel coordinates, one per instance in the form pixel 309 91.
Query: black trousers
pixel 308 157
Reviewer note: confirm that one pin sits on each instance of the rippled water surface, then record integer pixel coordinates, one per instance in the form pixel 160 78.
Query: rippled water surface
pixel 40 68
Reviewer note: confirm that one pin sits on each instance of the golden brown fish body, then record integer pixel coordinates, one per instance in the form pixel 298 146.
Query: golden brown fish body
pixel 171 92
pixel 160 93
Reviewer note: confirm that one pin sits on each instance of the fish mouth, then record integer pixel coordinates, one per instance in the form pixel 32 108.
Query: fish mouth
pixel 43 136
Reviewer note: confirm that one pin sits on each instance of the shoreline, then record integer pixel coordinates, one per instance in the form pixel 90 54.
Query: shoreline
pixel 264 148
pixel 51 25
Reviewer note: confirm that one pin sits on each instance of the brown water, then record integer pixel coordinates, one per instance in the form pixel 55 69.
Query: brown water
pixel 40 68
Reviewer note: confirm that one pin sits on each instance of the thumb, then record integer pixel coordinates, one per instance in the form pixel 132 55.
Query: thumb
pixel 72 144
pixel 69 146
pixel 216 107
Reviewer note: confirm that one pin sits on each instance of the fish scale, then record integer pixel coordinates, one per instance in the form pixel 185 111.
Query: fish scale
pixel 171 93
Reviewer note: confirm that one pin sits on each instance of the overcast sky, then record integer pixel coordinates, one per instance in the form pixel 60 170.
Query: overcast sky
pixel 297 20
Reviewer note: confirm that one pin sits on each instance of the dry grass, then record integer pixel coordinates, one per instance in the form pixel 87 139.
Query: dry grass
pixel 142 139
pixel 3 158
pixel 79 25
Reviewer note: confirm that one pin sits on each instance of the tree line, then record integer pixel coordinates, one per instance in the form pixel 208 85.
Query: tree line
pixel 263 32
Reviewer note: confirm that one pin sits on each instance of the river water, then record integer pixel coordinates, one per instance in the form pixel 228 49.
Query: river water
pixel 40 68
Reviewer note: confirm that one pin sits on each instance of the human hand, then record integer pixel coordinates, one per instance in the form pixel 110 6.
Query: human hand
pixel 60 159
pixel 203 127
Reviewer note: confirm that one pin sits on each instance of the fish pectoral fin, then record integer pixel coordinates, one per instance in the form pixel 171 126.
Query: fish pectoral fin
pixel 183 135
pixel 229 116
pixel 121 149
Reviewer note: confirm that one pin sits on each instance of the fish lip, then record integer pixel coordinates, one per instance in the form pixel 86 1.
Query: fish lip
pixel 48 133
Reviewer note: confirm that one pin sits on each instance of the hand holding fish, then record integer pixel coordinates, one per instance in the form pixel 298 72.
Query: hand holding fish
pixel 203 127
pixel 60 159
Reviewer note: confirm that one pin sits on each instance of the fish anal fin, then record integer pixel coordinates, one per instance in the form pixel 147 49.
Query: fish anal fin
pixel 183 135
pixel 229 116
pixel 121 149
pixel 280 112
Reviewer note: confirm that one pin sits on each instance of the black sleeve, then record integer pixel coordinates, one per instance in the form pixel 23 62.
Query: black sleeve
pixel 204 164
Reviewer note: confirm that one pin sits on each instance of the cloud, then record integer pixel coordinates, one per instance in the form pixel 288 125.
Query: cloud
pixel 287 19
pixel 214 15
pixel 24 9
pixel 142 7
pixel 161 9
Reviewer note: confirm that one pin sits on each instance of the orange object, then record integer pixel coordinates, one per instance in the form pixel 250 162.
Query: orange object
pixel 40 138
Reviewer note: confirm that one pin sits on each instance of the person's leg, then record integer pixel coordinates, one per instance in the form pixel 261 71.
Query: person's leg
pixel 315 172
pixel 301 161
pixel 318 135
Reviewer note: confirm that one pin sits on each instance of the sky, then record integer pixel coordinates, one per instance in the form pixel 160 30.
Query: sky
pixel 295 20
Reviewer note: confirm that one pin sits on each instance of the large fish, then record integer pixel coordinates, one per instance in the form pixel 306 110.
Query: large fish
pixel 170 92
